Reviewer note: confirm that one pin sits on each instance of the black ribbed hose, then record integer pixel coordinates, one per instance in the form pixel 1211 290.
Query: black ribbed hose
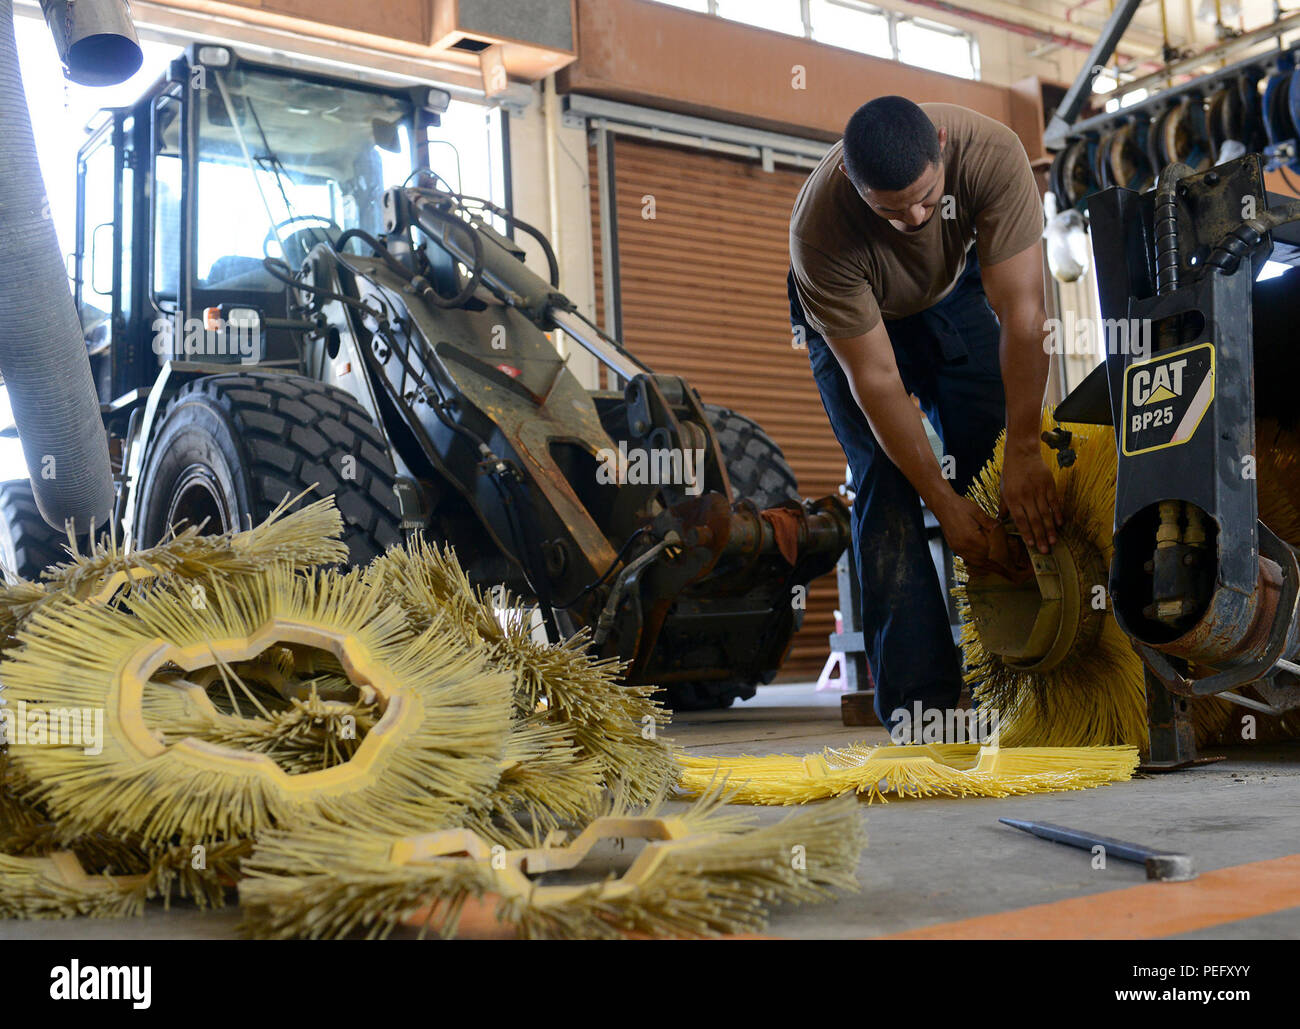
pixel 42 349
pixel 1166 227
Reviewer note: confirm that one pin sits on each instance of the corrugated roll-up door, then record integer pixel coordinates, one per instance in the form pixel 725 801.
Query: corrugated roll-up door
pixel 703 296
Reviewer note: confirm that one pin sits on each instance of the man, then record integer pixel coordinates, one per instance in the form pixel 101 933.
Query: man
pixel 901 239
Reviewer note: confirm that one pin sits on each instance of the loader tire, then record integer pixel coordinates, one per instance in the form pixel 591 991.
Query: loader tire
pixel 28 544
pixel 759 472
pixel 232 446
pixel 705 696
pixel 757 467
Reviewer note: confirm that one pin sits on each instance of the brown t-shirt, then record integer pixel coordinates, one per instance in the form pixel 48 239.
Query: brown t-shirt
pixel 851 267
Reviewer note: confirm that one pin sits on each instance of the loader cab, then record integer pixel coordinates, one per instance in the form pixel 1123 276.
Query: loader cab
pixel 222 163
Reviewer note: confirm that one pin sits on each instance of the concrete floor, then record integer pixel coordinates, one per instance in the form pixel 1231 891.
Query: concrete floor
pixel 937 861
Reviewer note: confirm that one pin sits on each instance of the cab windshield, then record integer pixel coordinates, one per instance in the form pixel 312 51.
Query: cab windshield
pixel 282 162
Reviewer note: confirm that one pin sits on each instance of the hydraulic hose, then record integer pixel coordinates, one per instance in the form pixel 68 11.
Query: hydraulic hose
pixel 1166 227
pixel 1251 234
pixel 43 354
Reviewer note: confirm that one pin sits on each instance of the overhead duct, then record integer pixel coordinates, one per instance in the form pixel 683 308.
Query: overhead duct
pixel 42 349
pixel 95 39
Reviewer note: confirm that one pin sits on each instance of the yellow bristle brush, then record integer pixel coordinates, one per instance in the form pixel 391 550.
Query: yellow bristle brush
pixel 435 751
pixel 303 538
pixel 704 872
pixel 615 729
pixel 1089 689
pixel 918 770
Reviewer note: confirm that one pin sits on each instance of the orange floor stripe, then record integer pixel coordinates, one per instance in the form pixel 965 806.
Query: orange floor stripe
pixel 1148 911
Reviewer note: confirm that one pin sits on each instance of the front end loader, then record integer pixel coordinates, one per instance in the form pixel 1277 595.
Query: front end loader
pixel 285 312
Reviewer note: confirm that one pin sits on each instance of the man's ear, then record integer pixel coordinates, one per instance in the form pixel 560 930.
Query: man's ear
pixel 843 170
pixel 943 136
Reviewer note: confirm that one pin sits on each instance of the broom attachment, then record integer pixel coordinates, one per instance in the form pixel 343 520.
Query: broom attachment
pixel 305 538
pixel 704 872
pixel 56 886
pixel 436 745
pixel 1047 654
pixel 613 730
pixel 227 717
pixel 229 670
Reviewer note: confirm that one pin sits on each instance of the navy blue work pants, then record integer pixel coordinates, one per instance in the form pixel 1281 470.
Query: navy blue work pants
pixel 948 359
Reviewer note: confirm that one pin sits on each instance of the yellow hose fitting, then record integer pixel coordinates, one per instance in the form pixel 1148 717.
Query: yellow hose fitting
pixel 1169 534
pixel 1195 536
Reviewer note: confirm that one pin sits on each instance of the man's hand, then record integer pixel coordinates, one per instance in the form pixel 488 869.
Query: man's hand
pixel 970 534
pixel 1030 497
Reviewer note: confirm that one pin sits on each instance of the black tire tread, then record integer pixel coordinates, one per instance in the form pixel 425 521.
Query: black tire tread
pixel 755 462
pixel 294 430
pixel 37 545
pixel 705 696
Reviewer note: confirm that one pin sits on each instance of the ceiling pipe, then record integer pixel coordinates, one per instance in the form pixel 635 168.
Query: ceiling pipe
pixel 1021 29
pixel 1007 15
pixel 1069 11
pixel 1189 65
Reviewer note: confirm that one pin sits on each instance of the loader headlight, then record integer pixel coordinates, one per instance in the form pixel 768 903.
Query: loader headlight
pixel 214 56
pixel 437 100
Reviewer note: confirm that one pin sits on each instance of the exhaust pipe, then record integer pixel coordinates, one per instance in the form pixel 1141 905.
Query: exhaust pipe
pixel 95 39
pixel 42 349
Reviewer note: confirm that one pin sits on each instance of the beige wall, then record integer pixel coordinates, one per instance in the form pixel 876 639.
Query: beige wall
pixel 570 231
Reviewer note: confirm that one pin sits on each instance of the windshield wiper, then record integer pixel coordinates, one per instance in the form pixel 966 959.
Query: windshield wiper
pixel 277 167
pixel 248 156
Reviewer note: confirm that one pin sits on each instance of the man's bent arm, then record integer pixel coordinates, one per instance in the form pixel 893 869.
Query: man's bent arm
pixel 869 366
pixel 1015 291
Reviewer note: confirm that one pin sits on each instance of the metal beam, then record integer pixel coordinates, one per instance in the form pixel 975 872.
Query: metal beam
pixel 1078 93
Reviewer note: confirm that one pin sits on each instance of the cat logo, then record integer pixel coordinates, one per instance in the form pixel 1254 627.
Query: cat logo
pixel 1166 397
pixel 1156 385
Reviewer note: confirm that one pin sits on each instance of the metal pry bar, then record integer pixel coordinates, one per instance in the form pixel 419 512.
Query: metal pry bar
pixel 1160 865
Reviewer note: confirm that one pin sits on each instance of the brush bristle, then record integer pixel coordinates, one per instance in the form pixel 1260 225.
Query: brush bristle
pixel 725 877
pixel 454 725
pixel 924 770
pixel 1096 696
pixel 615 730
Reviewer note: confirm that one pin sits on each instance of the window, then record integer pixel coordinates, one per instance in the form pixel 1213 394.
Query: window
pixel 126 200
pixel 99 173
pixel 778 15
pixel 927 44
pixel 855 25
pixel 1106 82
pixel 166 200
pixel 852 26
pixel 283 159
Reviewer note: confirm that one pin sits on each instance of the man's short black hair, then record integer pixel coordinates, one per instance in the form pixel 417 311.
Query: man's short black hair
pixel 888 143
